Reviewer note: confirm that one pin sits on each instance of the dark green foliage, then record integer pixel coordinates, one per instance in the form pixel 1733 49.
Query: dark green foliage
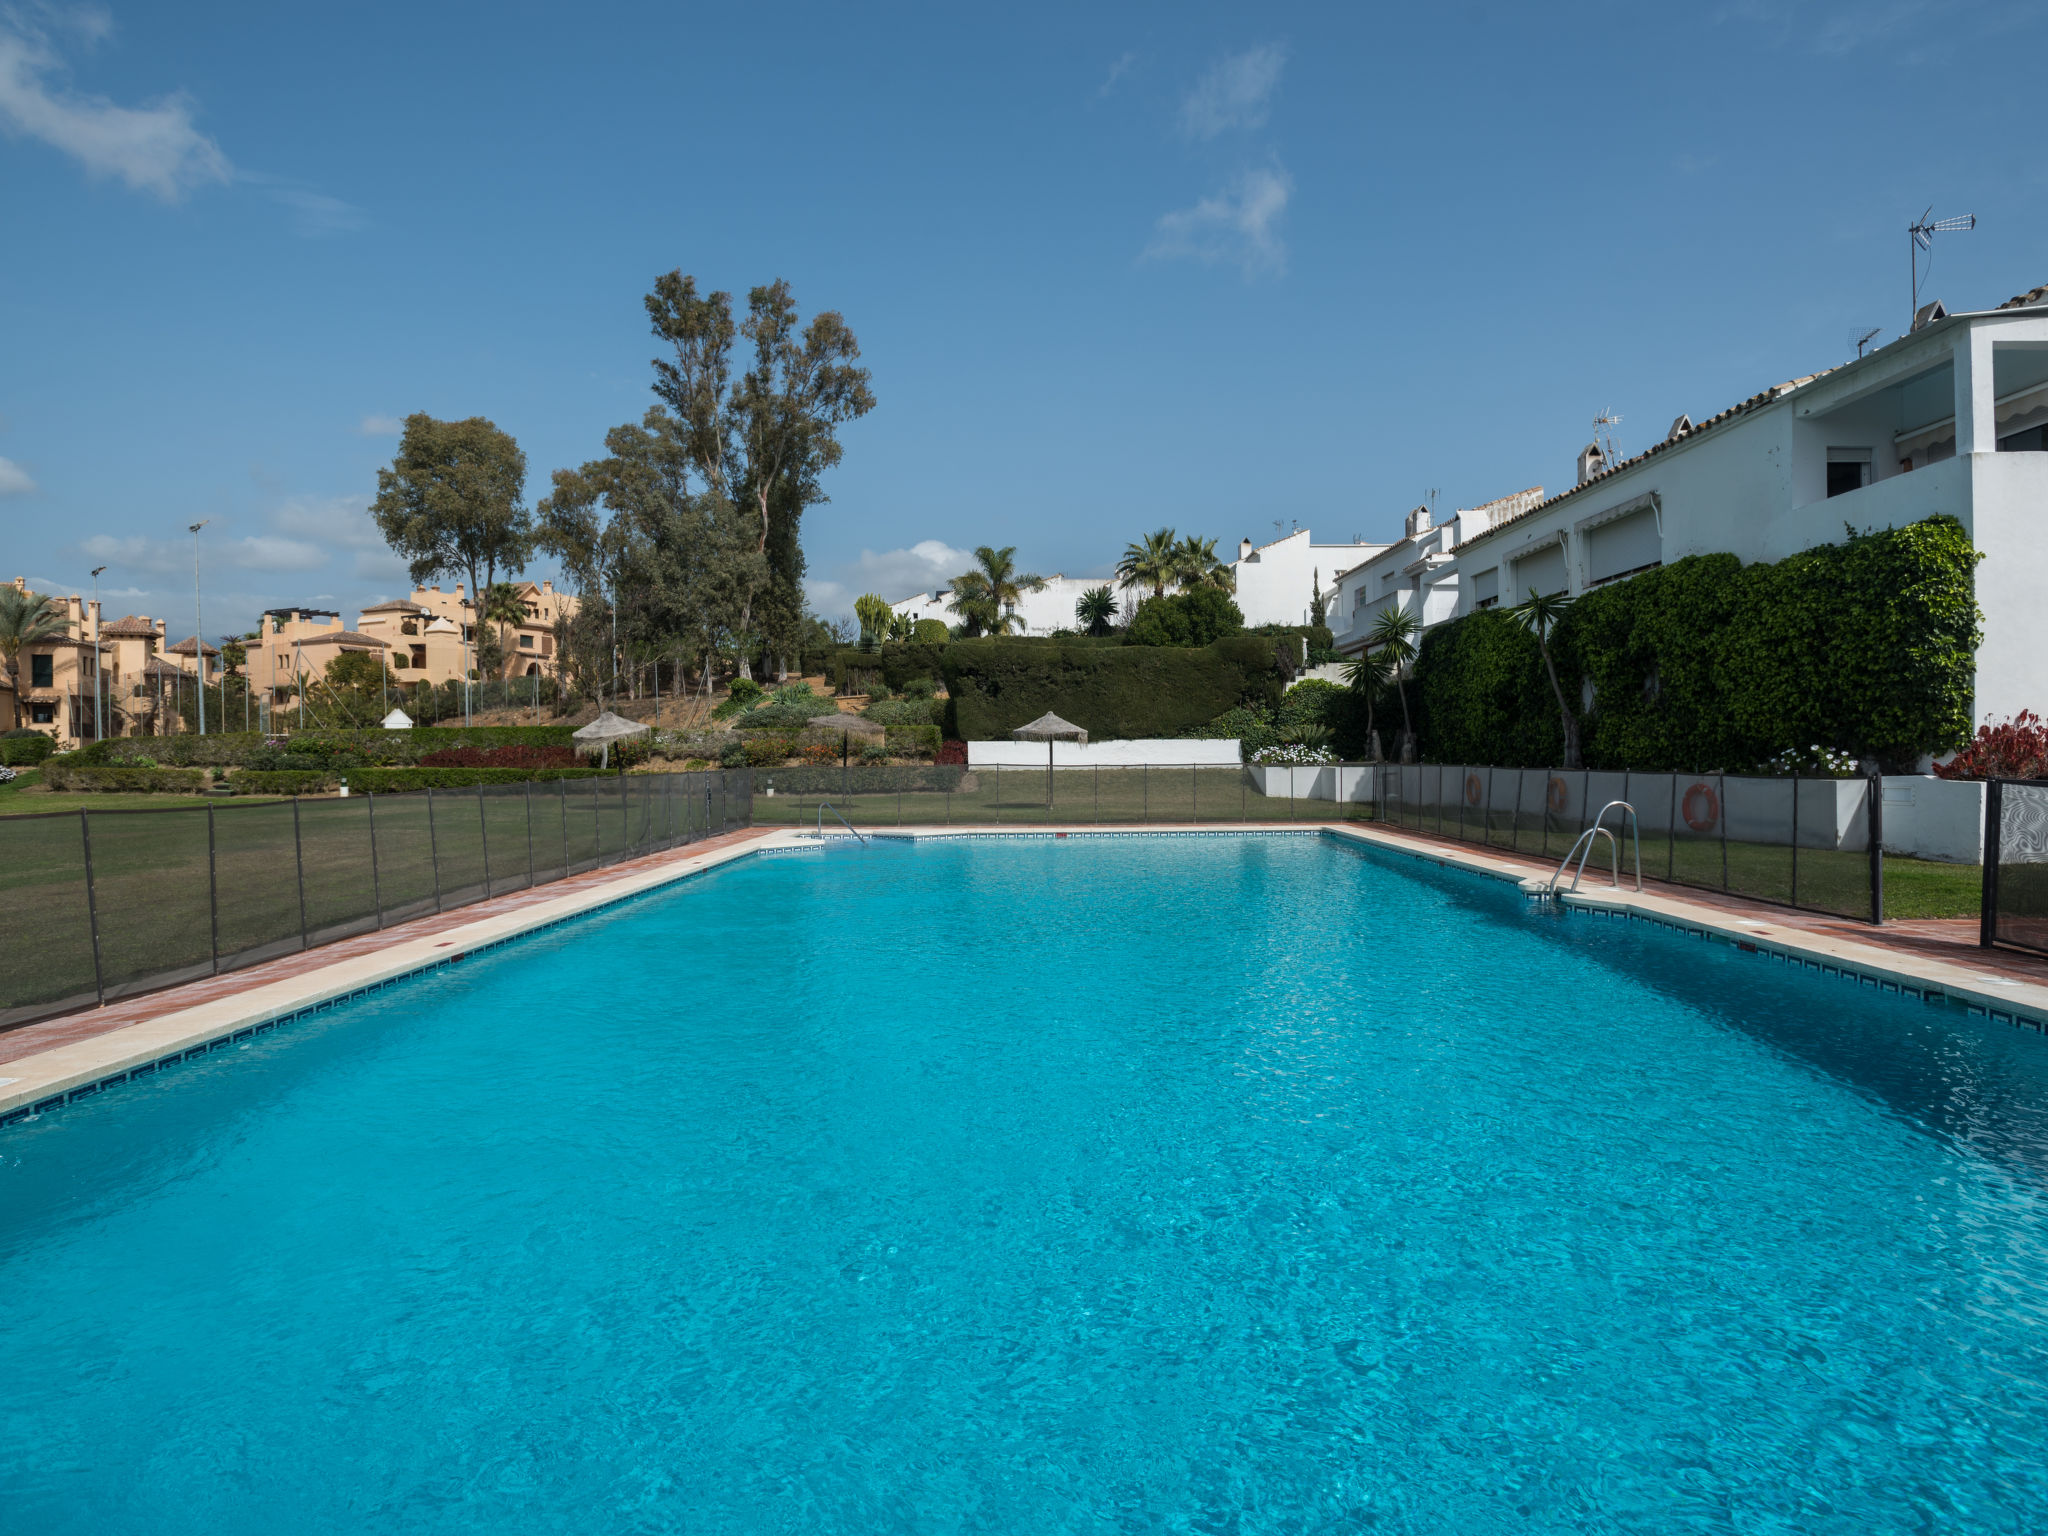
pixel 1310 706
pixel 66 775
pixel 24 749
pixel 1864 646
pixel 930 632
pixel 1113 691
pixel 1195 617
pixel 387 781
pixel 281 781
pixel 895 712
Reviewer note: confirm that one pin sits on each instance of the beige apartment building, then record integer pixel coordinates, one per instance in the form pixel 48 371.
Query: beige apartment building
pixel 432 634
pixel 294 644
pixel 124 663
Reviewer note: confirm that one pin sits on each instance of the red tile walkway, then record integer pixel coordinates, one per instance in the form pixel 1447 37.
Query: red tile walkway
pixel 68 1029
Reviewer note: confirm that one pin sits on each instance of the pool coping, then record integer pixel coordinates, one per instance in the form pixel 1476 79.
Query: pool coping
pixel 35 1084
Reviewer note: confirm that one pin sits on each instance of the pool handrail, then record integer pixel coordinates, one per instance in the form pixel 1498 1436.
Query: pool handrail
pixel 823 807
pixel 1584 848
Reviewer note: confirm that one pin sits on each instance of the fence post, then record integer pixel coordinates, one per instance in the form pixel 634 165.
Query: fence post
pixel 597 822
pixel 1723 819
pixel 1671 833
pixel 299 857
pixel 1195 792
pixel 1795 839
pixel 1145 793
pixel 212 891
pixel 529 834
pixel 433 848
pixel 483 826
pixel 376 884
pixel 562 787
pixel 1987 921
pixel 1874 817
pixel 92 912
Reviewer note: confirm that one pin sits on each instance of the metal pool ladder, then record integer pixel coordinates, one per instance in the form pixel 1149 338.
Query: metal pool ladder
pixel 1584 848
pixel 823 807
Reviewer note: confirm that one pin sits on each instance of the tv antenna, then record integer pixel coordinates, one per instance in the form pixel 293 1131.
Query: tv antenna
pixel 1921 233
pixel 1860 342
pixel 1603 435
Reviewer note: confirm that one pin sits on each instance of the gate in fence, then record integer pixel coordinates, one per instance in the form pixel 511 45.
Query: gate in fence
pixel 105 904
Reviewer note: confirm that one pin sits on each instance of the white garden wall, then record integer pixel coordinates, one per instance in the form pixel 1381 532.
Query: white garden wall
pixel 1104 754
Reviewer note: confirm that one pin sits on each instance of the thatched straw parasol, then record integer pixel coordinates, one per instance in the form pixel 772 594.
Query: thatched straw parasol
pixel 1049 728
pixel 606 729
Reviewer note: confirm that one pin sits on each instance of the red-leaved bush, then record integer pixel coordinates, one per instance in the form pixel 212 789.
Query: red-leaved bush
pixel 2018 749
pixel 952 752
pixel 500 757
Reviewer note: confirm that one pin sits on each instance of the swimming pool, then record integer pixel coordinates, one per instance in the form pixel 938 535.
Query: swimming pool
pixel 1200 1183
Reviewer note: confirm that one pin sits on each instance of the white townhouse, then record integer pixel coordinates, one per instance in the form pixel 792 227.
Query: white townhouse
pixel 1950 418
pixel 1418 572
pixel 1276 582
pixel 1042 612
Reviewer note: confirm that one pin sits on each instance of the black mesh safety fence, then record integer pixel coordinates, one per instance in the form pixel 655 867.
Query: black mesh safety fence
pixel 110 903
pixel 2015 901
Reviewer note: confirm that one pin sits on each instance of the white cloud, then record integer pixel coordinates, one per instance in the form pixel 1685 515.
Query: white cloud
pixel 1116 73
pixel 1237 226
pixel 337 519
pixel 317 214
pixel 1236 93
pixel 381 426
pixel 893 573
pixel 173 557
pixel 14 480
pixel 266 552
pixel 153 148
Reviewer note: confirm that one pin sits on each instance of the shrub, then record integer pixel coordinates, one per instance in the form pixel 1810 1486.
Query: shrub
pixel 920 687
pixel 2016 749
pixel 929 632
pixel 25 749
pixel 899 712
pixel 912 740
pixel 1112 691
pixel 63 774
pixel 817 752
pixel 256 781
pixel 390 781
pixel 874 752
pixel 764 750
pixel 501 757
pixel 1195 617
pixel 951 754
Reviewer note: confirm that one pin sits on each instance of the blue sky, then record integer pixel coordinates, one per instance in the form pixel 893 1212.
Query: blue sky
pixel 1112 266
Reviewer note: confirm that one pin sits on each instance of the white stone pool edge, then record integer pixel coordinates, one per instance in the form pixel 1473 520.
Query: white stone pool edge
pixel 65 1073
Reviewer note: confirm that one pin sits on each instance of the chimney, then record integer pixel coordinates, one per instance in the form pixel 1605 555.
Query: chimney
pixel 1244 549
pixel 1927 314
pixel 1417 522
pixel 1591 462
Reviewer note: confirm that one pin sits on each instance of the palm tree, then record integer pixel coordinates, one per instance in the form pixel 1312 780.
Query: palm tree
pixel 1096 610
pixel 26 618
pixel 986 597
pixel 1200 567
pixel 1539 614
pixel 1153 561
pixel 1365 675
pixel 502 605
pixel 1393 635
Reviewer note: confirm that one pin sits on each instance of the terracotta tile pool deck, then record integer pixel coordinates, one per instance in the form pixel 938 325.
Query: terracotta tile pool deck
pixel 77 1052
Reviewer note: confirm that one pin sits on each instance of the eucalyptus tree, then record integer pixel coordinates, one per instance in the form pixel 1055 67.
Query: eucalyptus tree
pixel 762 440
pixel 1538 613
pixel 451 505
pixel 1153 561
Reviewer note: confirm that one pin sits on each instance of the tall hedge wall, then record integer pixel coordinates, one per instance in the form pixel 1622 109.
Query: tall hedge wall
pixel 1865 646
pixel 227 748
pixel 1114 691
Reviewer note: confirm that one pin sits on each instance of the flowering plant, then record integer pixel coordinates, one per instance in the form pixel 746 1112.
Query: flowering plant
pixel 2018 749
pixel 1293 754
pixel 1815 762
pixel 6 775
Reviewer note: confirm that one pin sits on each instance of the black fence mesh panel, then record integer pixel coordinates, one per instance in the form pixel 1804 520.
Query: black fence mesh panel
pixel 151 891
pixel 458 842
pixel 341 890
pixel 2019 910
pixel 256 882
pixel 45 924
pixel 1760 832
pixel 511 853
pixel 406 882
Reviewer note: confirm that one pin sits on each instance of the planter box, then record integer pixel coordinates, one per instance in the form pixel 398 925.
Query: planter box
pixel 1349 782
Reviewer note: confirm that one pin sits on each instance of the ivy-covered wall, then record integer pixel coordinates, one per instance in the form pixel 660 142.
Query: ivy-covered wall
pixel 1864 646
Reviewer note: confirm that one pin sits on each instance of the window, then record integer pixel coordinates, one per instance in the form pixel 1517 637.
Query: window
pixel 526 642
pixel 42 714
pixel 42 671
pixel 469 632
pixel 1541 570
pixel 1848 470
pixel 1486 588
pixel 2032 440
pixel 419 655
pixel 1624 546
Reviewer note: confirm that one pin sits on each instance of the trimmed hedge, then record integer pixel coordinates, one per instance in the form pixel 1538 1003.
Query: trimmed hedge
pixel 233 748
pixel 119 780
pixel 391 781
pixel 1113 692
pixel 1866 647
pixel 25 749
pixel 281 781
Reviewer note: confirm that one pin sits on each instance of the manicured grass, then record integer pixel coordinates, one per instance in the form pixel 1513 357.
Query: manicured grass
pixel 27 796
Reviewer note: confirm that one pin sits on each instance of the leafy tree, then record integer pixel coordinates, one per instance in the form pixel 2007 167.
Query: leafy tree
pixel 1393 633
pixel 1318 602
pixel 1154 561
pixel 874 615
pixel 1198 565
pixel 1194 617
pixel 26 618
pixel 762 441
pixel 1539 614
pixel 1096 610
pixel 985 596
pixel 450 502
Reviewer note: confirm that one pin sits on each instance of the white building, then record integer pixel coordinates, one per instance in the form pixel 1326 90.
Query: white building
pixel 1950 418
pixel 1042 612
pixel 1418 572
pixel 1277 581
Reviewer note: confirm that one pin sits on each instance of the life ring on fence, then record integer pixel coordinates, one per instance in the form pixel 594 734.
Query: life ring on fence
pixel 1473 789
pixel 1701 808
pixel 1558 794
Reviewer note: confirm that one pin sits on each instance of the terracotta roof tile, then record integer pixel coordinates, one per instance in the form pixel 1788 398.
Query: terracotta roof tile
pixel 2027 300
pixel 129 628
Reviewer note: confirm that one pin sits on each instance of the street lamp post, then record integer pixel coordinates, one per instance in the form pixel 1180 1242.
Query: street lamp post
pixel 99 719
pixel 198 623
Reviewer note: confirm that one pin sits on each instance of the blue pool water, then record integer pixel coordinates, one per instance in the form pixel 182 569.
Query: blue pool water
pixel 1230 1184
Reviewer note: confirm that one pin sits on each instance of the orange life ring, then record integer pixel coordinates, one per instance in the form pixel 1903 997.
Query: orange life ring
pixel 1473 789
pixel 1560 794
pixel 1701 808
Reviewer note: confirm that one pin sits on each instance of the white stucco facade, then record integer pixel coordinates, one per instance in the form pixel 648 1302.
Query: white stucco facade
pixel 1276 582
pixel 1042 612
pixel 1952 418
